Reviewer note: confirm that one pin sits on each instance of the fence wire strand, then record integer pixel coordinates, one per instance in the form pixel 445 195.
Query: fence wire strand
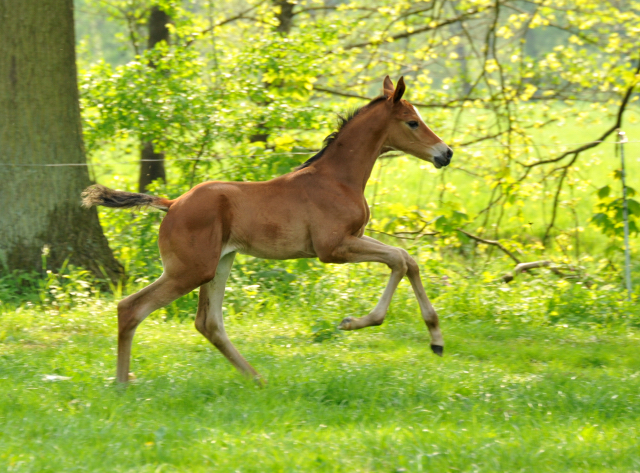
pixel 297 153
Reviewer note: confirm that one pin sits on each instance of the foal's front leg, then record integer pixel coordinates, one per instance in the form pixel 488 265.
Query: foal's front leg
pixel 357 250
pixel 429 314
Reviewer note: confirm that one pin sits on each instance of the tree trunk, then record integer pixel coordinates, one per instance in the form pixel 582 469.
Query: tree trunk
pixel 285 16
pixel 285 21
pixel 40 130
pixel 151 166
pixel 158 31
pixel 152 163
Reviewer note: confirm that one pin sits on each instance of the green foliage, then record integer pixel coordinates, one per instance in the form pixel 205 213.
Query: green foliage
pixel 451 219
pixel 59 291
pixel 244 101
pixel 610 212
pixel 167 103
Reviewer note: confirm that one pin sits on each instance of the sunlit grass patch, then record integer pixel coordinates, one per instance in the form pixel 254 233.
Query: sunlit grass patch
pixel 504 397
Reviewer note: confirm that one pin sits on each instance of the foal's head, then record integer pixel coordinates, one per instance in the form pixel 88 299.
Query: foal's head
pixel 408 132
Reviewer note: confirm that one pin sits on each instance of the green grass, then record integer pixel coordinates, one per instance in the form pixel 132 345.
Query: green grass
pixel 506 397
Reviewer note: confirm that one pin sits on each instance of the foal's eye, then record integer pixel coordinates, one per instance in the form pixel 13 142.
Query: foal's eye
pixel 413 125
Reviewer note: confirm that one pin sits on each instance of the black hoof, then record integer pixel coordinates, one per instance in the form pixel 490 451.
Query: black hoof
pixel 345 324
pixel 437 349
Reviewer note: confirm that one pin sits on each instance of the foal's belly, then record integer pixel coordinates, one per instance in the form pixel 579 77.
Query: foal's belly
pixel 270 241
pixel 277 250
pixel 270 253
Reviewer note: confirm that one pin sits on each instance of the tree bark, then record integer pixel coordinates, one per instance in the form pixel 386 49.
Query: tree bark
pixel 151 162
pixel 285 22
pixel 285 16
pixel 151 166
pixel 158 31
pixel 40 130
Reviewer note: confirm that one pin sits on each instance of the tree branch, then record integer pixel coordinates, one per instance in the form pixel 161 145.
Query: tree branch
pixel 424 29
pixel 614 127
pixel 397 235
pixel 308 9
pixel 239 16
pixel 417 104
pixel 491 242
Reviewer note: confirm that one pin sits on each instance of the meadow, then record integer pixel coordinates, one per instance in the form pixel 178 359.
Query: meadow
pixel 506 397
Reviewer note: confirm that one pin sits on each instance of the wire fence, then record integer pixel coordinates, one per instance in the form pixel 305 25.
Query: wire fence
pixel 299 153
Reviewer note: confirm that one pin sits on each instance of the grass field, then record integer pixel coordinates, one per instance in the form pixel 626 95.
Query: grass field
pixel 506 397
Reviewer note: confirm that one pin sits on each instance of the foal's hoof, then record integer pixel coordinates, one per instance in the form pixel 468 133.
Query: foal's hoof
pixel 437 349
pixel 346 324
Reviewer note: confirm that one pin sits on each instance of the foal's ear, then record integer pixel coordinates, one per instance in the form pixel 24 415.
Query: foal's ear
pixel 397 95
pixel 387 87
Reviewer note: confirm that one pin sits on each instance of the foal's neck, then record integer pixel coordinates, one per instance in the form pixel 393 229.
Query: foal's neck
pixel 351 157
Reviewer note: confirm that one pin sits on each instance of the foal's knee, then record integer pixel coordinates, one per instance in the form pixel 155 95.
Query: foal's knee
pixel 210 330
pixel 412 265
pixel 203 325
pixel 404 261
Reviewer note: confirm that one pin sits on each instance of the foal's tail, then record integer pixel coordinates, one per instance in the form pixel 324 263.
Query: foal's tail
pixel 101 195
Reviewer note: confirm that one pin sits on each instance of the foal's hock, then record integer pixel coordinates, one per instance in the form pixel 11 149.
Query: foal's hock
pixel 318 210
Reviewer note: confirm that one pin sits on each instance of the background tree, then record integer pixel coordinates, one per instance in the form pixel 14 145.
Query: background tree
pixel 152 162
pixel 41 219
pixel 248 89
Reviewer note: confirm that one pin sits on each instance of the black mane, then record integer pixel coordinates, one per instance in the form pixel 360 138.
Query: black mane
pixel 342 121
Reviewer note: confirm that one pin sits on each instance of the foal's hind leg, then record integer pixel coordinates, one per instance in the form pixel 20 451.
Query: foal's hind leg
pixel 135 308
pixel 209 321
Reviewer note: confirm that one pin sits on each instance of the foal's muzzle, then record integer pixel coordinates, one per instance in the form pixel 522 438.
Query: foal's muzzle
pixel 444 159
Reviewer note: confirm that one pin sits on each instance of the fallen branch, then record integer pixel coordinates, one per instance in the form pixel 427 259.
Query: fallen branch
pixel 521 267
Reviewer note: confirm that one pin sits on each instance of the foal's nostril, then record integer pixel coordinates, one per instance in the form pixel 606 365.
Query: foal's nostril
pixel 449 153
pixel 442 160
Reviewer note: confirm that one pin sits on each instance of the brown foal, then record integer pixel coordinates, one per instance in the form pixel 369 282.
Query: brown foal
pixel 318 210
